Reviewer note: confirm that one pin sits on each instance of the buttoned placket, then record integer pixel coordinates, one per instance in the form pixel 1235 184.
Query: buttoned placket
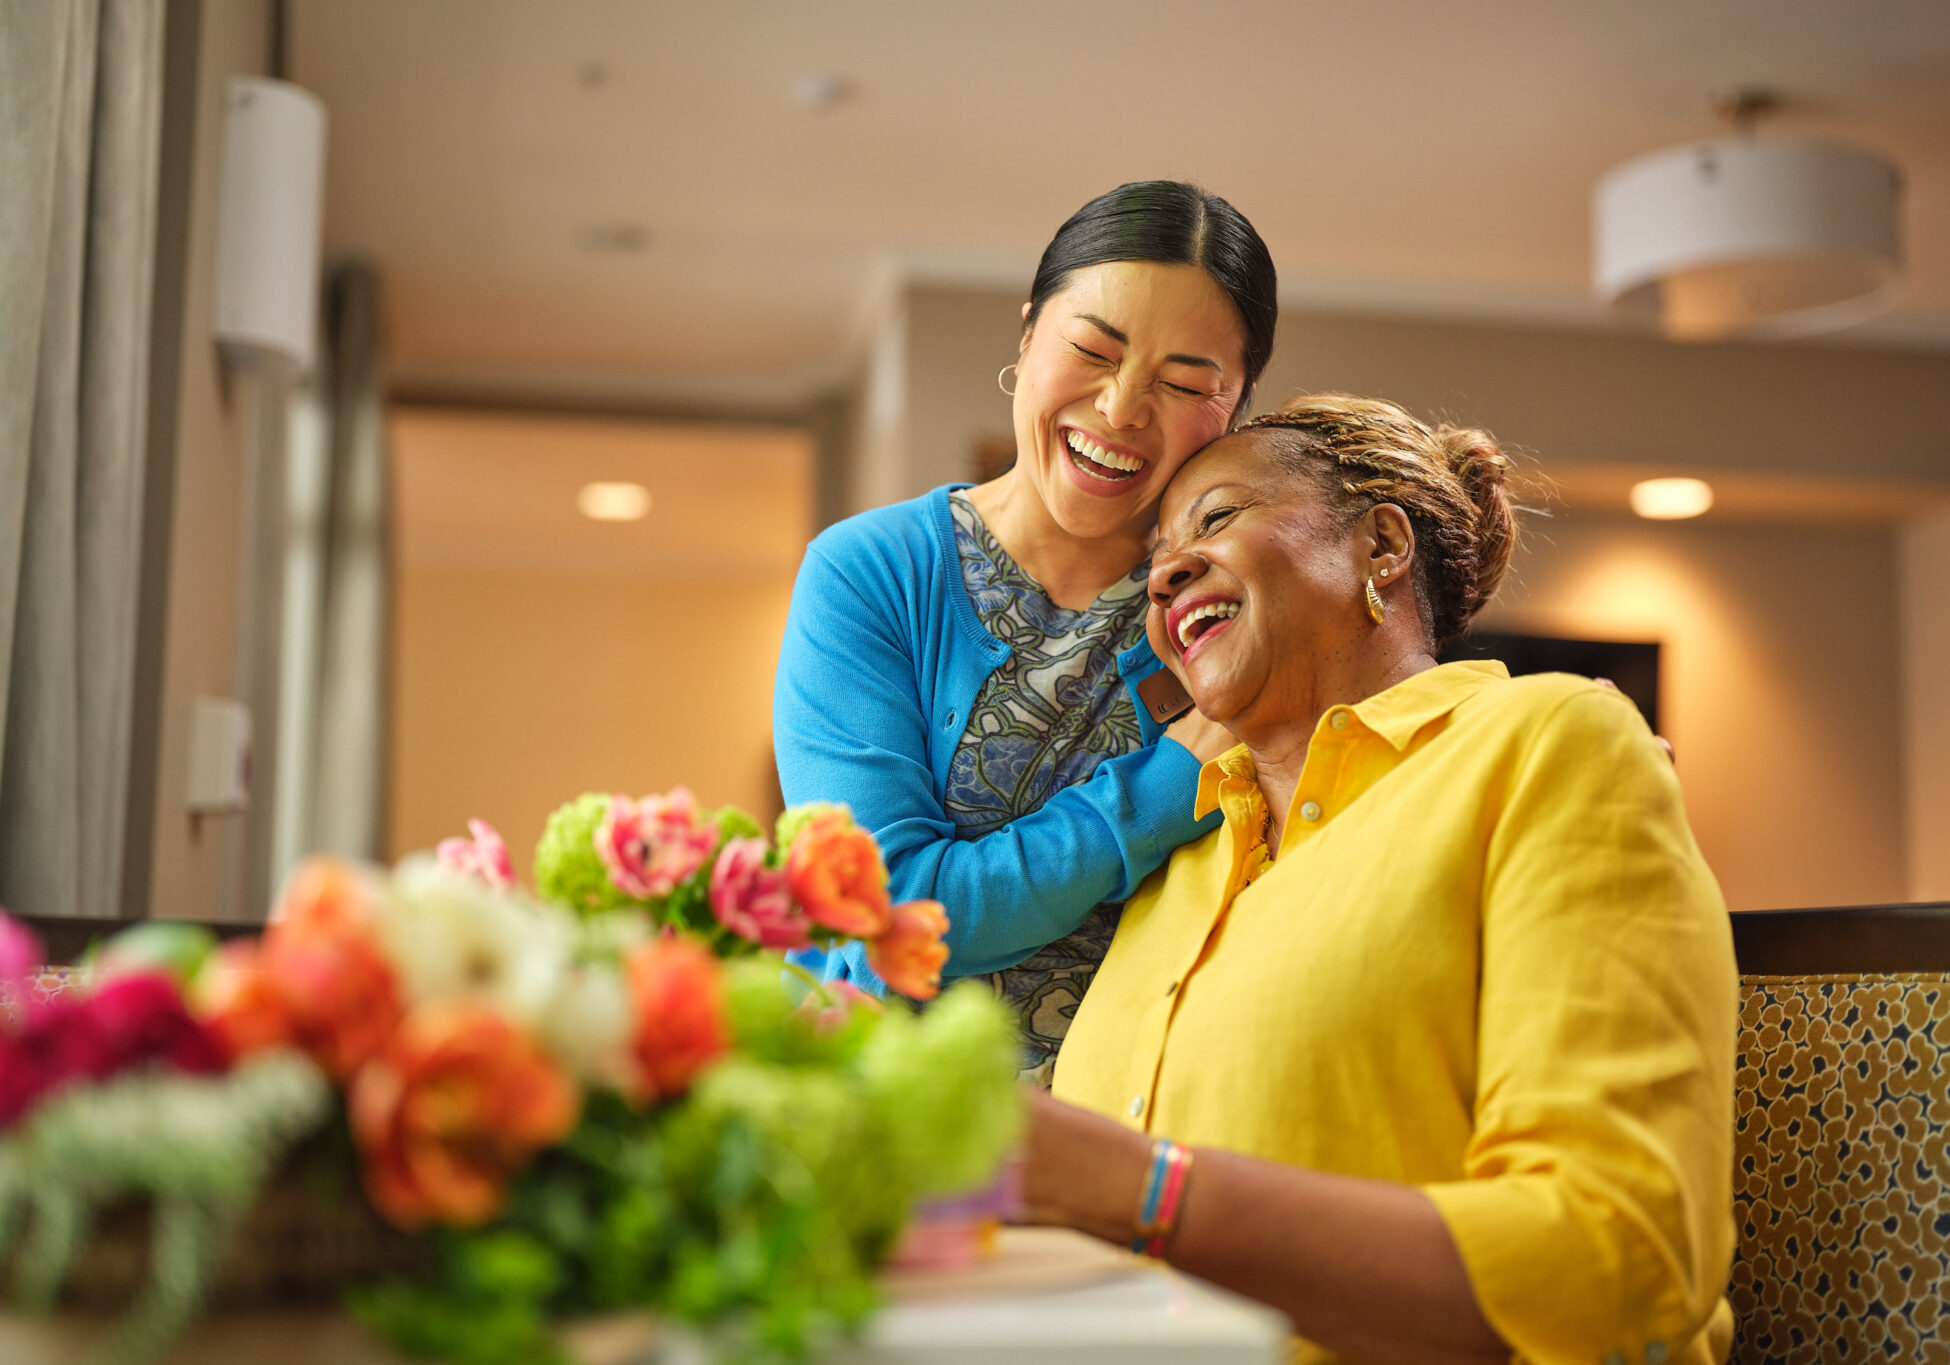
pixel 1241 803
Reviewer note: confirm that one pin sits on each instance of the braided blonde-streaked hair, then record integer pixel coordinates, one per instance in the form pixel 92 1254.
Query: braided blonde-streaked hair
pixel 1451 481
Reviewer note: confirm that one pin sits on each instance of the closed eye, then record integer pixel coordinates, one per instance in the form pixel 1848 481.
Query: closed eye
pixel 1188 392
pixel 1213 519
pixel 1100 359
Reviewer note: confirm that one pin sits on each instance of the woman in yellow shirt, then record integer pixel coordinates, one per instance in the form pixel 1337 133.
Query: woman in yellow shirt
pixel 1443 1014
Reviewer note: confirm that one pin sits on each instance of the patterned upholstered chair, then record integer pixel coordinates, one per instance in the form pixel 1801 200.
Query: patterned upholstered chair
pixel 1842 1137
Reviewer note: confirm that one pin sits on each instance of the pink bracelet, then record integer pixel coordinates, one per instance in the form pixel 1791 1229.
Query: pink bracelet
pixel 1154 1236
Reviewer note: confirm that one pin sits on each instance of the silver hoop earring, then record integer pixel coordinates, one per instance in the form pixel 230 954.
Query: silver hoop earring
pixel 998 380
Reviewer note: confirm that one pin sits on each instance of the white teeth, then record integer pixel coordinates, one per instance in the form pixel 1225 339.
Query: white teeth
pixel 1110 459
pixel 1227 610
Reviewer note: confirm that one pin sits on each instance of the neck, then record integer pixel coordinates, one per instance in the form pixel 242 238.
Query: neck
pixel 1278 736
pixel 1072 570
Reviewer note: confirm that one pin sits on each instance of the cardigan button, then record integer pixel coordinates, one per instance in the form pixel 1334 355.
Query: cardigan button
pixel 1137 1105
pixel 1655 1354
pixel 1310 811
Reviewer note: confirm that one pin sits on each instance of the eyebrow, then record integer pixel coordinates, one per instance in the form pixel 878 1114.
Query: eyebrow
pixel 1190 514
pixel 1122 339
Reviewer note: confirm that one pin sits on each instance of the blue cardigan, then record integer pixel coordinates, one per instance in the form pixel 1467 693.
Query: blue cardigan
pixel 883 658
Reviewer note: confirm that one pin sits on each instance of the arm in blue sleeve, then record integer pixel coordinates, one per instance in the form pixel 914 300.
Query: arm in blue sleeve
pixel 849 725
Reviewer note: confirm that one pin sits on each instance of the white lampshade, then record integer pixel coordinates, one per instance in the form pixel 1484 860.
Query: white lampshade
pixel 1748 235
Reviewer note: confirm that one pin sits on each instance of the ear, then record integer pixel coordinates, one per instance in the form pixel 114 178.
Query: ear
pixel 1023 344
pixel 1390 542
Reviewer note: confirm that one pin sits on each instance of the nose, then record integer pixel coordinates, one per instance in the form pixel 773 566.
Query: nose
pixel 1124 404
pixel 1172 572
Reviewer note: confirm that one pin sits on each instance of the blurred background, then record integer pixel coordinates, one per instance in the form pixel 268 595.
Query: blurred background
pixel 619 302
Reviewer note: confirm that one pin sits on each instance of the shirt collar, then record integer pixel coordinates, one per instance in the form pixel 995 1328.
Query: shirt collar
pixel 1397 715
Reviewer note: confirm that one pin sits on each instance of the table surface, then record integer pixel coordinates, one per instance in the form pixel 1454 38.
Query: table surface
pixel 1046 1296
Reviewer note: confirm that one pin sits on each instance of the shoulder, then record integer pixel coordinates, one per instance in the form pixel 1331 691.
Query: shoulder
pixel 1554 707
pixel 901 535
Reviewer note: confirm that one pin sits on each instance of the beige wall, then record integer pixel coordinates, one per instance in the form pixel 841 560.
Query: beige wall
pixel 538 654
pixel 514 692
pixel 1925 561
pixel 1777 688
pixel 195 865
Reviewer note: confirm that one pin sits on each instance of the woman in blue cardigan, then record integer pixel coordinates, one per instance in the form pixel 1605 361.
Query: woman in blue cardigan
pixel 963 669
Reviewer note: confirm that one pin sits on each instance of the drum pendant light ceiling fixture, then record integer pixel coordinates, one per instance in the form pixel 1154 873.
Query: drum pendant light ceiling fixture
pixel 1745 236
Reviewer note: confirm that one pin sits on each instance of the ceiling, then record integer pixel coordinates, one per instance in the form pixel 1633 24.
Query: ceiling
pixel 1399 155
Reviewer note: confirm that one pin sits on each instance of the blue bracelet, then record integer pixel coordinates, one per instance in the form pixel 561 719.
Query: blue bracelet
pixel 1154 1190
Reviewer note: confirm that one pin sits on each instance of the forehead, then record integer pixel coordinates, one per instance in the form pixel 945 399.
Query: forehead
pixel 1177 307
pixel 1245 459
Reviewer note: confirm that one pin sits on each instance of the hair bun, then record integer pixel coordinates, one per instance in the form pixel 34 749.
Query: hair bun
pixel 1483 470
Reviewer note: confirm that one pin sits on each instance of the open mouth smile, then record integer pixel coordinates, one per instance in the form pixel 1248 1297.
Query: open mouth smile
pixel 1112 466
pixel 1190 624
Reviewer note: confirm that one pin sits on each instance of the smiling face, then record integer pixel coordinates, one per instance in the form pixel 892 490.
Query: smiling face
pixel 1256 586
pixel 1127 372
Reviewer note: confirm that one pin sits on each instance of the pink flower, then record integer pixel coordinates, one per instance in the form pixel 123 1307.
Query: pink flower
pixel 20 951
pixel 133 1021
pixel 751 899
pixel 142 1019
pixel 909 956
pixel 20 960
pixel 484 856
pixel 649 846
pixel 845 1000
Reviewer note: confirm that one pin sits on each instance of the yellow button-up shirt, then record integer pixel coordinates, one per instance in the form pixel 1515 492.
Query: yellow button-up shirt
pixel 1487 961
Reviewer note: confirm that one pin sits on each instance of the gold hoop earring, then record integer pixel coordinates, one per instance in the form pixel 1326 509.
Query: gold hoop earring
pixel 1375 607
pixel 998 380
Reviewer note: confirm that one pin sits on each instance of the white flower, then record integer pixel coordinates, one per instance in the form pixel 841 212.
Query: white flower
pixel 589 1025
pixel 451 936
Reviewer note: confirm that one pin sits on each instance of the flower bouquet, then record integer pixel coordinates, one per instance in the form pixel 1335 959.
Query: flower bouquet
pixel 609 1095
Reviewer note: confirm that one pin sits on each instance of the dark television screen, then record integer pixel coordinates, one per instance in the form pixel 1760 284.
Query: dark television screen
pixel 1633 666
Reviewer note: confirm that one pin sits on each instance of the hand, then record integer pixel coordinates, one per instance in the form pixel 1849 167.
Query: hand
pixel 1206 739
pixel 1080 1170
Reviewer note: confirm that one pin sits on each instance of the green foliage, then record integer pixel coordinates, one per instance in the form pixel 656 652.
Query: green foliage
pixel 568 870
pixel 796 818
pixel 757 1207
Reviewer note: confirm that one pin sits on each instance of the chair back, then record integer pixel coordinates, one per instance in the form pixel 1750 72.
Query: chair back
pixel 1842 1136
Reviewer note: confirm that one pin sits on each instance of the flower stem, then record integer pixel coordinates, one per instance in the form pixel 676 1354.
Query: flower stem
pixel 813 983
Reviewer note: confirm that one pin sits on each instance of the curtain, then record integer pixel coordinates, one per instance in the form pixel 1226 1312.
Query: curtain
pixel 80 110
pixel 334 702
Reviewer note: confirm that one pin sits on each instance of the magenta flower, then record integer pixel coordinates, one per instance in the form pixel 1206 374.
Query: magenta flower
pixel 649 846
pixel 484 856
pixel 752 900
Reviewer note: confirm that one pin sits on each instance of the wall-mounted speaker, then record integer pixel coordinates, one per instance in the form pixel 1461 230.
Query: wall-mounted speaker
pixel 268 226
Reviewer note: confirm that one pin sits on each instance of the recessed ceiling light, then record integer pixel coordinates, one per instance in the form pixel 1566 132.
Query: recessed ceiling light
pixel 620 238
pixel 1671 499
pixel 820 92
pixel 613 501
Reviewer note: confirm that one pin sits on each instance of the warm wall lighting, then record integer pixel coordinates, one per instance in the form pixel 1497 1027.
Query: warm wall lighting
pixel 613 501
pixel 1671 499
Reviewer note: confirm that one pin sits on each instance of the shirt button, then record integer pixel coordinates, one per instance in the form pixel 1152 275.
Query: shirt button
pixel 1615 1358
pixel 1338 720
pixel 1310 811
pixel 1655 1353
pixel 1137 1108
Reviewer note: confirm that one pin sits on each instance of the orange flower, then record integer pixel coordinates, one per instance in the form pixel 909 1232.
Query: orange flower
pixel 681 1025
pixel 456 1103
pixel 910 954
pixel 237 1002
pixel 835 872
pixel 323 959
